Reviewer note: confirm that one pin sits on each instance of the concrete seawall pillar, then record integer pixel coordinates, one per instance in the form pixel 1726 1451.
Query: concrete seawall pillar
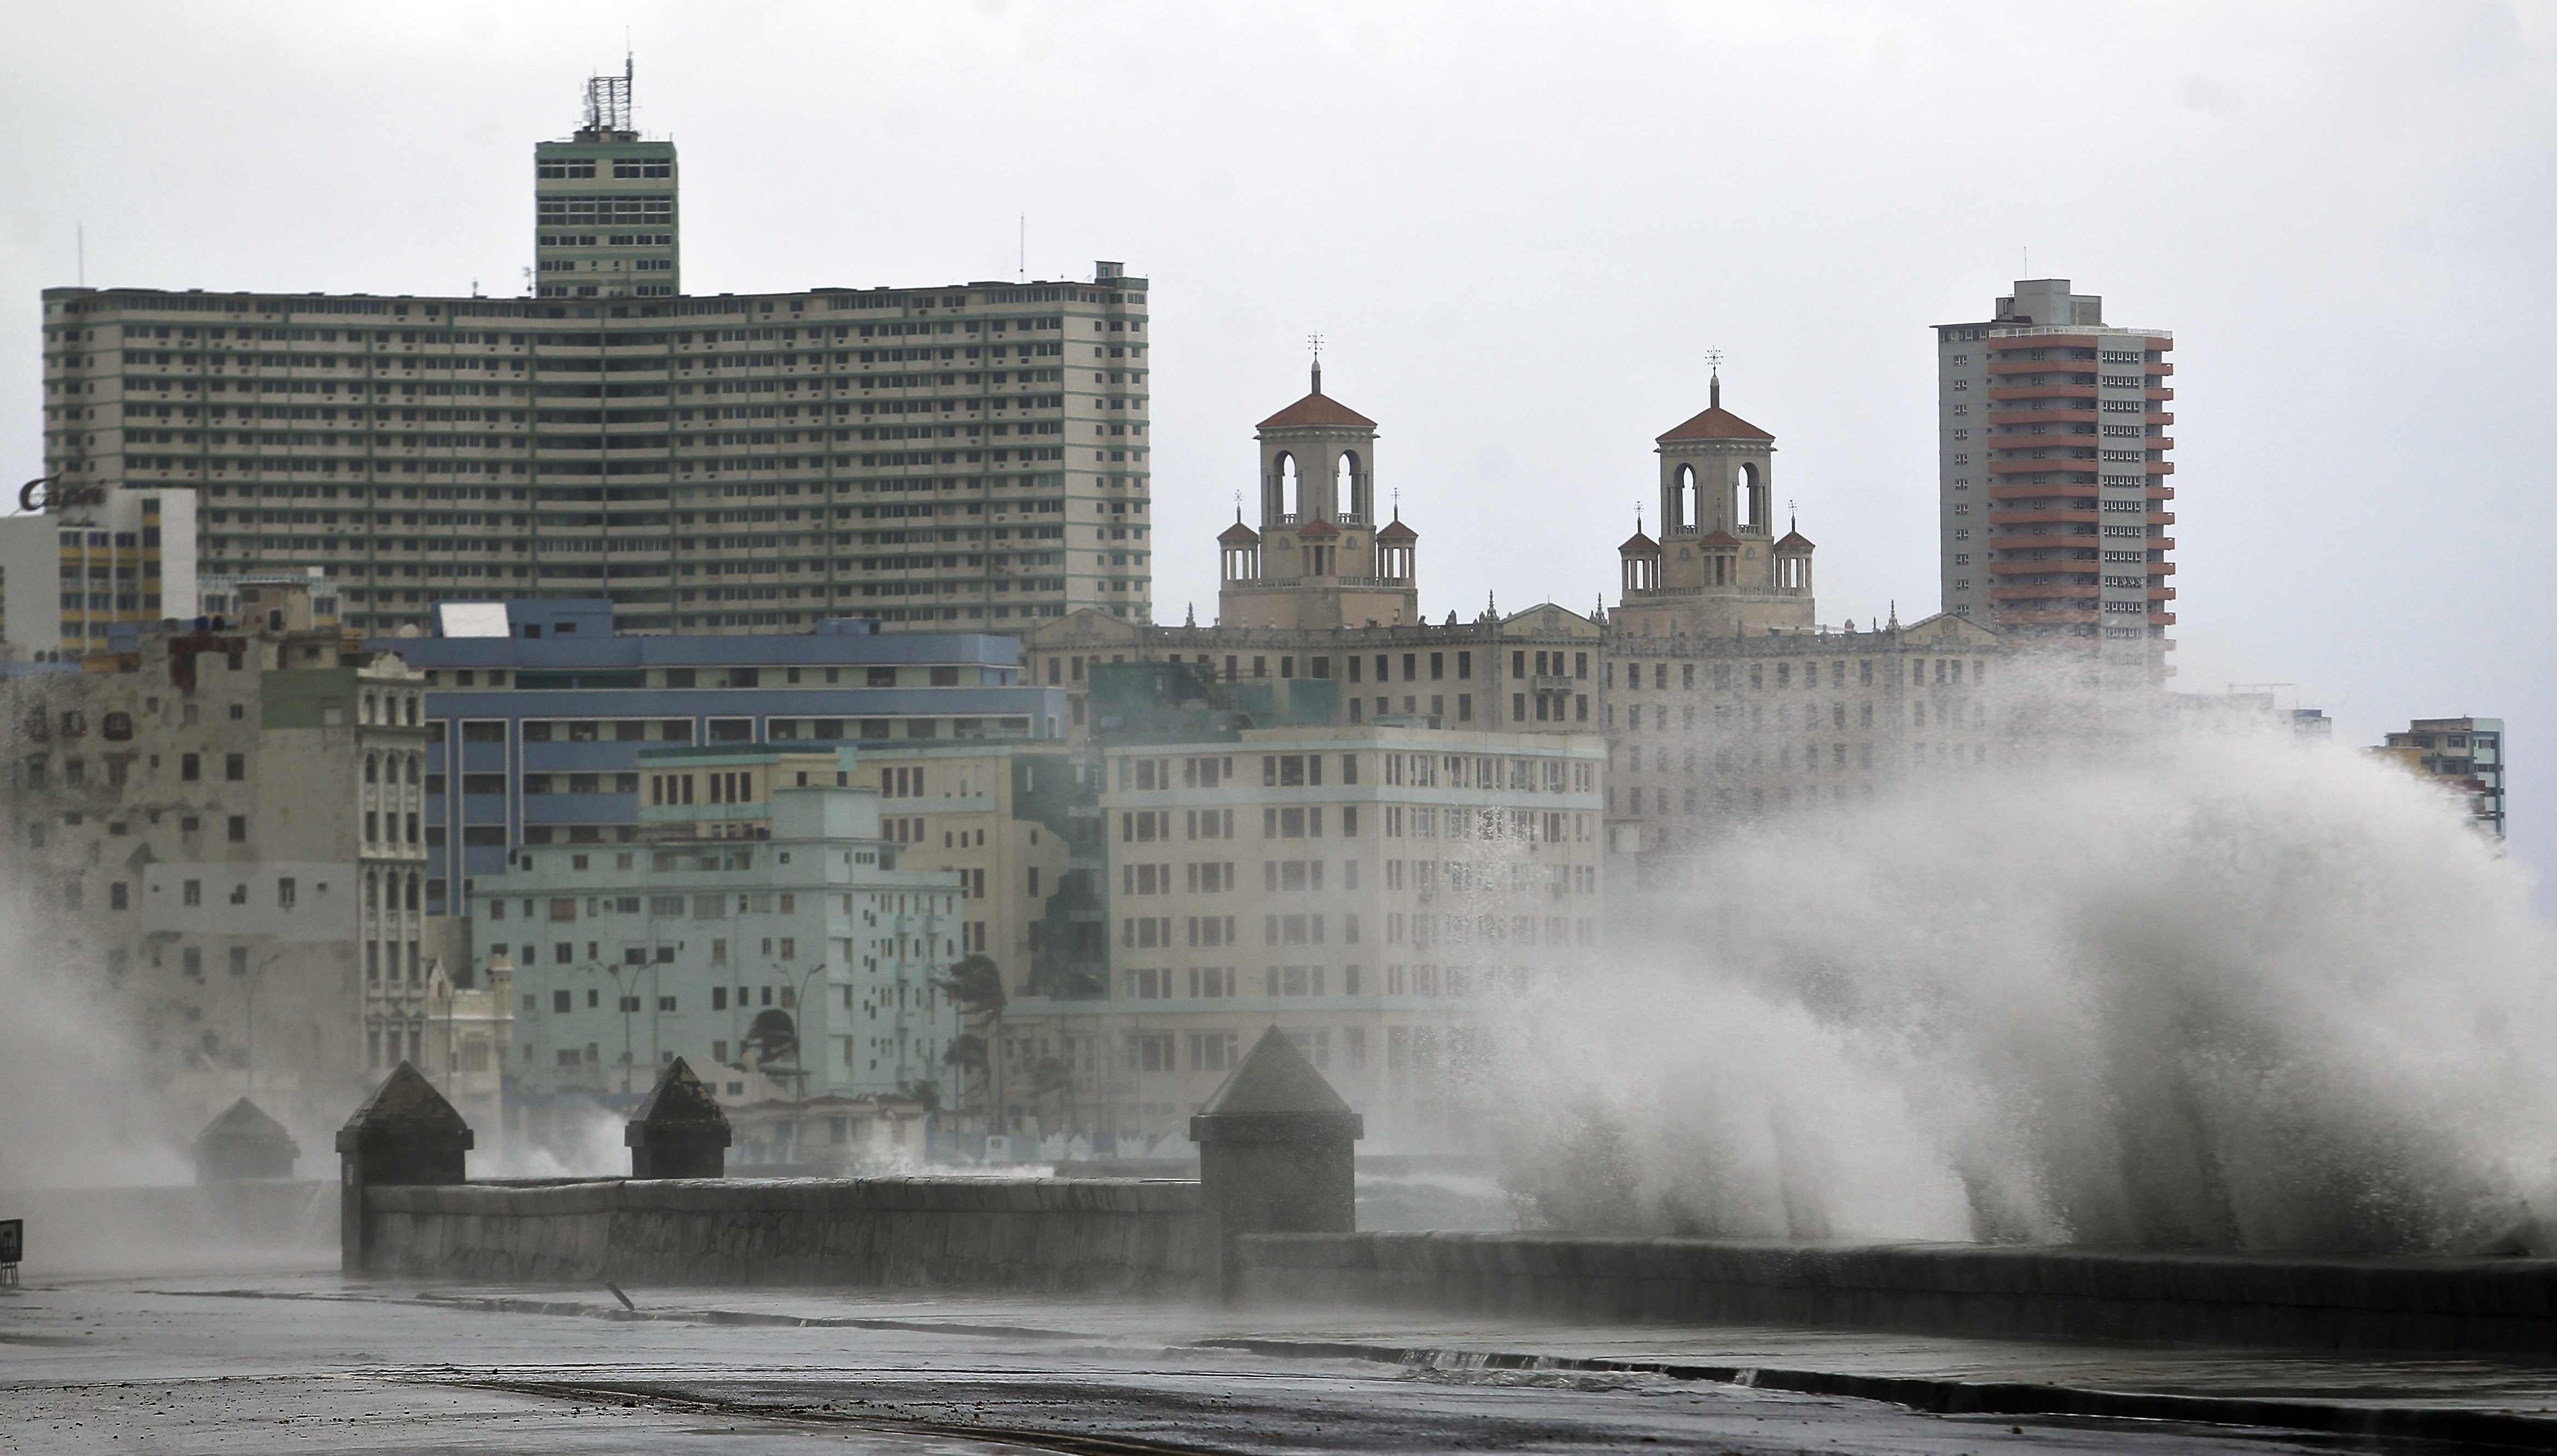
pixel 244 1142
pixel 405 1132
pixel 680 1131
pixel 1276 1155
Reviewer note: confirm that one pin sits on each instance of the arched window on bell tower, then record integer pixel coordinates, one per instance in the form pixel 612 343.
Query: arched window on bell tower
pixel 1350 489
pixel 1713 474
pixel 1318 464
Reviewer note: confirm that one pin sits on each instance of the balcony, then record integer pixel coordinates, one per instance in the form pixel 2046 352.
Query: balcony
pixel 2074 492
pixel 2078 371
pixel 2041 417
pixel 2040 517
pixel 2086 569
pixel 2042 391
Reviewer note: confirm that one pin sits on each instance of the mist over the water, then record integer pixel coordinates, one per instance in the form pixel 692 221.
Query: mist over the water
pixel 2245 994
pixel 76 1109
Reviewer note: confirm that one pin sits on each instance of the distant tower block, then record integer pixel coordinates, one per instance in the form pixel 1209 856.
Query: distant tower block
pixel 2054 493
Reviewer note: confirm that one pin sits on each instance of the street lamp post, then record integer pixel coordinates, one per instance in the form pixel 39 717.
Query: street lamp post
pixel 623 1000
pixel 432 968
pixel 248 978
pixel 500 966
pixel 799 1108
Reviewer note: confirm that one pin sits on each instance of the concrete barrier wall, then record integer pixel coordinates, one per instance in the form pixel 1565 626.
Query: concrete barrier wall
pixel 1098 1234
pixel 250 1224
pixel 2504 1308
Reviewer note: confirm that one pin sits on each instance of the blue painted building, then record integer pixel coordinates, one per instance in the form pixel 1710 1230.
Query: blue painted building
pixel 538 714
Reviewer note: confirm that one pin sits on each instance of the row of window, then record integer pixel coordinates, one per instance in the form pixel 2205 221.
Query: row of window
pixel 640 339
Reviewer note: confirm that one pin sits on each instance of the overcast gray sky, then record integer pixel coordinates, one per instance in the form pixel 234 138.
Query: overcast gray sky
pixel 1519 226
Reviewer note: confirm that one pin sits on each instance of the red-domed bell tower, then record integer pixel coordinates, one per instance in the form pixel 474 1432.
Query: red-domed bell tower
pixel 1717 568
pixel 1318 561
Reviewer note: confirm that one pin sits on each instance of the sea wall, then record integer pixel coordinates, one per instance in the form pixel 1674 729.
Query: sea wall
pixel 1080 1234
pixel 247 1224
pixel 2504 1308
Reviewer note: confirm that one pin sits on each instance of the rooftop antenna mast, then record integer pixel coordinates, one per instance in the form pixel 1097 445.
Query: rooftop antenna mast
pixel 607 100
pixel 1315 343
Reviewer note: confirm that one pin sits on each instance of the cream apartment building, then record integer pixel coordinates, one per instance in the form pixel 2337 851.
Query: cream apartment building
pixel 1362 887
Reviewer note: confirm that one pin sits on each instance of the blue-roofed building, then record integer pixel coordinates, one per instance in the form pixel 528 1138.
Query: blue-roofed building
pixel 538 713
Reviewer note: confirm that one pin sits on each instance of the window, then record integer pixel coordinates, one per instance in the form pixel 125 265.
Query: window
pixel 238 829
pixel 234 768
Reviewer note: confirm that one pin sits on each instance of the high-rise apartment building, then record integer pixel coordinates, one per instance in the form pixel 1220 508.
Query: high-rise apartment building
pixel 927 458
pixel 2465 754
pixel 2052 475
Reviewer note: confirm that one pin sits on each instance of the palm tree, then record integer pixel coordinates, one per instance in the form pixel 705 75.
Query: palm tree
pixel 1050 1079
pixel 927 1094
pixel 975 985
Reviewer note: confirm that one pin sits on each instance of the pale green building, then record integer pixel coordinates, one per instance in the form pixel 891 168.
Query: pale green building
pixel 761 927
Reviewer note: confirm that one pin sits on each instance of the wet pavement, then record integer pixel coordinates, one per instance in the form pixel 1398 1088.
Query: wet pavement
pixel 276 1361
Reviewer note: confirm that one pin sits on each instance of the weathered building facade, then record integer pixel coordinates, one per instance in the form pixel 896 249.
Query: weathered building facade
pixel 220 837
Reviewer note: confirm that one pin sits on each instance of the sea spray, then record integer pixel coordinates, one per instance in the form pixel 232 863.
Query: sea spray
pixel 2231 992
